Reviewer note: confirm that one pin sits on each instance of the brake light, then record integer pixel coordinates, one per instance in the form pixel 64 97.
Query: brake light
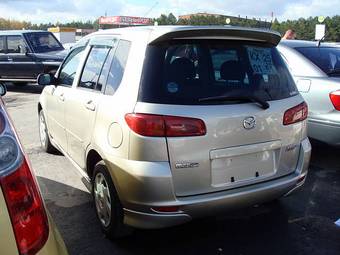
pixel 164 126
pixel 24 203
pixel 26 210
pixel 335 98
pixel 295 114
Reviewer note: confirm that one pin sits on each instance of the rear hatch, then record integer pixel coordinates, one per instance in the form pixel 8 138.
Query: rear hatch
pixel 241 91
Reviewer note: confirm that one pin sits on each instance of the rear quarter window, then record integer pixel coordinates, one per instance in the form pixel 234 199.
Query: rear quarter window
pixel 184 71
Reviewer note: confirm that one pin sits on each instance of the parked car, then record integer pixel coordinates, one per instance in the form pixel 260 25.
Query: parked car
pixel 26 226
pixel 24 54
pixel 316 70
pixel 175 123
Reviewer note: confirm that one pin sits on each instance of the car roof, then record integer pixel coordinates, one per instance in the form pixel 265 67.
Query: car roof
pixel 19 32
pixel 162 33
pixel 304 43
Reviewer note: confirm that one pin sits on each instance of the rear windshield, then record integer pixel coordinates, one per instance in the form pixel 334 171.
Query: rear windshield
pixel 326 58
pixel 186 71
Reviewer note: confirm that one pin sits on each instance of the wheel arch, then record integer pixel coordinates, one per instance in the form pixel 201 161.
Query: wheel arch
pixel 39 107
pixel 92 158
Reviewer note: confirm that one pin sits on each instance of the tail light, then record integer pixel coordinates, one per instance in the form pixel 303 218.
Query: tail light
pixel 21 192
pixel 295 114
pixel 164 126
pixel 335 98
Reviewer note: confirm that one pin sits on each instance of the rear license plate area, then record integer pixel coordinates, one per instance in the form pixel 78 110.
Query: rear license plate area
pixel 246 168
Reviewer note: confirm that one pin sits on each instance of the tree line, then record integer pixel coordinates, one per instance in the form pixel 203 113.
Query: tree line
pixel 304 27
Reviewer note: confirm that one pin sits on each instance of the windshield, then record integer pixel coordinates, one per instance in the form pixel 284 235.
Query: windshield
pixel 187 71
pixel 43 42
pixel 327 59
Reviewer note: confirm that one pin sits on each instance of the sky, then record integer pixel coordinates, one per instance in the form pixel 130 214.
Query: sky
pixel 44 11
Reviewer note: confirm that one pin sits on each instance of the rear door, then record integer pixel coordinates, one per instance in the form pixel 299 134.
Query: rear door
pixel 244 143
pixel 83 100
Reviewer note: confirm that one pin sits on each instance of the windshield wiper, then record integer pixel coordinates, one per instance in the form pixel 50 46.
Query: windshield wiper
pixel 333 71
pixel 246 98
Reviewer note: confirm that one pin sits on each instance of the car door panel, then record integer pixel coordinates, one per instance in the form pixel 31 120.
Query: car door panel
pixel 60 94
pixel 20 65
pixel 56 112
pixel 3 57
pixel 82 104
pixel 79 119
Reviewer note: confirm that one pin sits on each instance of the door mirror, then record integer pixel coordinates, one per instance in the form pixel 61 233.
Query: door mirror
pixel 23 49
pixel 45 79
pixel 3 89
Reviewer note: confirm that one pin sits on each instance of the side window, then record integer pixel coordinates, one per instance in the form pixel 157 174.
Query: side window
pixel 117 67
pixel 69 68
pixel 14 43
pixel 93 67
pixel 2 44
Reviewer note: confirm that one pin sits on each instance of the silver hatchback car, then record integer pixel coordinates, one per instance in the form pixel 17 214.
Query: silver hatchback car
pixel 316 70
pixel 174 123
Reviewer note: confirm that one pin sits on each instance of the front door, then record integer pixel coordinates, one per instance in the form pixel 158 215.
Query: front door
pixel 58 96
pixel 3 56
pixel 20 63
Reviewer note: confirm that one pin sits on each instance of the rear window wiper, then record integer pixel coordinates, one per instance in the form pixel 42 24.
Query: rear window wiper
pixel 247 98
pixel 333 71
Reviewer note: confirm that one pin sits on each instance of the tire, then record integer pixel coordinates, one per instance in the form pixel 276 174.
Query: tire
pixel 44 136
pixel 111 218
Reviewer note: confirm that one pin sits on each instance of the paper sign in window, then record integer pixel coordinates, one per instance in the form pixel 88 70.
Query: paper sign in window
pixel 261 60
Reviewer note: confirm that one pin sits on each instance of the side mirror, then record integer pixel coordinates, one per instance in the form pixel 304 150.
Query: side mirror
pixel 3 89
pixel 23 49
pixel 45 79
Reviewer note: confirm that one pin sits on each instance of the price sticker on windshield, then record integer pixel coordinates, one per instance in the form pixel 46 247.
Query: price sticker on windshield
pixel 261 60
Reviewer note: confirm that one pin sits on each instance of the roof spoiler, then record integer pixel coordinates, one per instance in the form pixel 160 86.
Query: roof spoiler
pixel 229 33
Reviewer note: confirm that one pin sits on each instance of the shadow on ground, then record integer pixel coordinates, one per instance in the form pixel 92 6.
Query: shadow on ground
pixel 300 224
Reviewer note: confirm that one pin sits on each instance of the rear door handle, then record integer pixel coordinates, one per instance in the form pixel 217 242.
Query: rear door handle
pixel 61 97
pixel 90 106
pixel 10 59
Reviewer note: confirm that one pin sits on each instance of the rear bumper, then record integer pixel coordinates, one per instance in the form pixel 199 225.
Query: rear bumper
pixel 324 131
pixel 213 204
pixel 139 214
pixel 55 244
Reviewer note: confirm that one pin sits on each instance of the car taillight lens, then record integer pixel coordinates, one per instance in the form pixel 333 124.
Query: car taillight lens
pixel 26 209
pixel 20 189
pixel 164 126
pixel 295 114
pixel 335 98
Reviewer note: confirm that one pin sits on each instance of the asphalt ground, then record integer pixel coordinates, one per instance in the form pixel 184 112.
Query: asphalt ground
pixel 302 223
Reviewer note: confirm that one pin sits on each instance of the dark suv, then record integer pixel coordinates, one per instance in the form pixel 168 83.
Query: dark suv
pixel 25 54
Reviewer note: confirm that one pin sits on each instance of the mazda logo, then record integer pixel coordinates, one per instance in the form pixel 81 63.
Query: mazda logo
pixel 249 123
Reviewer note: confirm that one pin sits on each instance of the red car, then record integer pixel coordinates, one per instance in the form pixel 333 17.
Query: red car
pixel 25 225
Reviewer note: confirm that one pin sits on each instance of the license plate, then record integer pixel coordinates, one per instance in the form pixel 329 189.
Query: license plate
pixel 244 168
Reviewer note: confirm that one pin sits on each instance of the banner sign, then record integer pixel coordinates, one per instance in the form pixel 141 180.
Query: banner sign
pixel 124 20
